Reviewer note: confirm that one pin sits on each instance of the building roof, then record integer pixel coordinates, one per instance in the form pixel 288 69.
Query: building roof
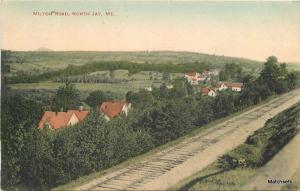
pixel 112 109
pixel 81 115
pixel 206 71
pixel 192 74
pixel 235 84
pixel 61 119
pixel 46 118
pixel 206 90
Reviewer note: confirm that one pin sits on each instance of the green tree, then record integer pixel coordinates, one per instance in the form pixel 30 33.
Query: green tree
pixel 223 76
pixel 96 98
pixel 166 76
pixel 142 98
pixel 189 88
pixel 283 71
pixel 67 97
pixel 270 73
pixel 179 88
pixel 5 56
pixel 18 117
pixel 292 80
pixel 224 104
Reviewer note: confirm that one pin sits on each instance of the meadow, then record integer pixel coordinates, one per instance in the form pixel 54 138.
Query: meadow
pixel 124 82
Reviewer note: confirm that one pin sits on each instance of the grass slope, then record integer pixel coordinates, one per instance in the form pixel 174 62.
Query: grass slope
pixel 235 168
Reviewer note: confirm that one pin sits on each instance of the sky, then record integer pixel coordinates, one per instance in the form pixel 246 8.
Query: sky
pixel 252 30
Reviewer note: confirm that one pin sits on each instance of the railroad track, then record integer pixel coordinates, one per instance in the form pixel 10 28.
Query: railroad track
pixel 136 176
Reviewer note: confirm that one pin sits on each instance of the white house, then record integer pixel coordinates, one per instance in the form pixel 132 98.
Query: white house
pixel 169 86
pixel 192 77
pixel 221 86
pixel 235 86
pixel 148 89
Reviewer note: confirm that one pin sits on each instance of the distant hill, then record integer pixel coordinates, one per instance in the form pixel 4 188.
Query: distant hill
pixel 44 59
pixel 43 49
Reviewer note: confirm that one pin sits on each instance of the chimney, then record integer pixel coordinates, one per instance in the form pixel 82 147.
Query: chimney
pixel 81 108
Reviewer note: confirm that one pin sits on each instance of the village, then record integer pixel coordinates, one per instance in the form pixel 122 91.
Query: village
pixel 114 108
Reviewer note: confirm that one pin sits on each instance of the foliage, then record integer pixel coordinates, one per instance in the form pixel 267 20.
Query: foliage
pixel 224 104
pixel 66 97
pixel 166 76
pixel 232 71
pixel 36 159
pixel 143 98
pixel 17 116
pixel 96 98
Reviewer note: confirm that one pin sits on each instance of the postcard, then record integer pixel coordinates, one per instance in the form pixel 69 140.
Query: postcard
pixel 150 95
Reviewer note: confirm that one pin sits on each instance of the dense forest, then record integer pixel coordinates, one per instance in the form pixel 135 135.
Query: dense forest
pixel 34 159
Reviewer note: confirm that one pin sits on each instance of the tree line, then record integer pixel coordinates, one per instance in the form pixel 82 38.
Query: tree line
pixel 34 159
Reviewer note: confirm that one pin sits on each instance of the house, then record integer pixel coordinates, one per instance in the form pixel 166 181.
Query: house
pixel 203 78
pixel 192 77
pixel 148 89
pixel 206 73
pixel 169 86
pixel 208 91
pixel 235 86
pixel 56 120
pixel 113 109
pixel 221 86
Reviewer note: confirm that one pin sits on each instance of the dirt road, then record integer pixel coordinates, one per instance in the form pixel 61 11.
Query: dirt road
pixel 281 168
pixel 165 168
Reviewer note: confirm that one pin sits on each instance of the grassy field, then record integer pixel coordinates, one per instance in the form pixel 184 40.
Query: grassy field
pixel 218 177
pixel 36 61
pixel 135 82
pixel 144 75
pixel 119 88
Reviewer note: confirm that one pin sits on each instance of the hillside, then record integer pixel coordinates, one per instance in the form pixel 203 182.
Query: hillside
pixel 40 61
pixel 234 169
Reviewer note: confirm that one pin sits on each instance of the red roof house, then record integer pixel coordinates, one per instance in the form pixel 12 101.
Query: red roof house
pixel 56 120
pixel 191 74
pixel 113 109
pixel 234 84
pixel 208 91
